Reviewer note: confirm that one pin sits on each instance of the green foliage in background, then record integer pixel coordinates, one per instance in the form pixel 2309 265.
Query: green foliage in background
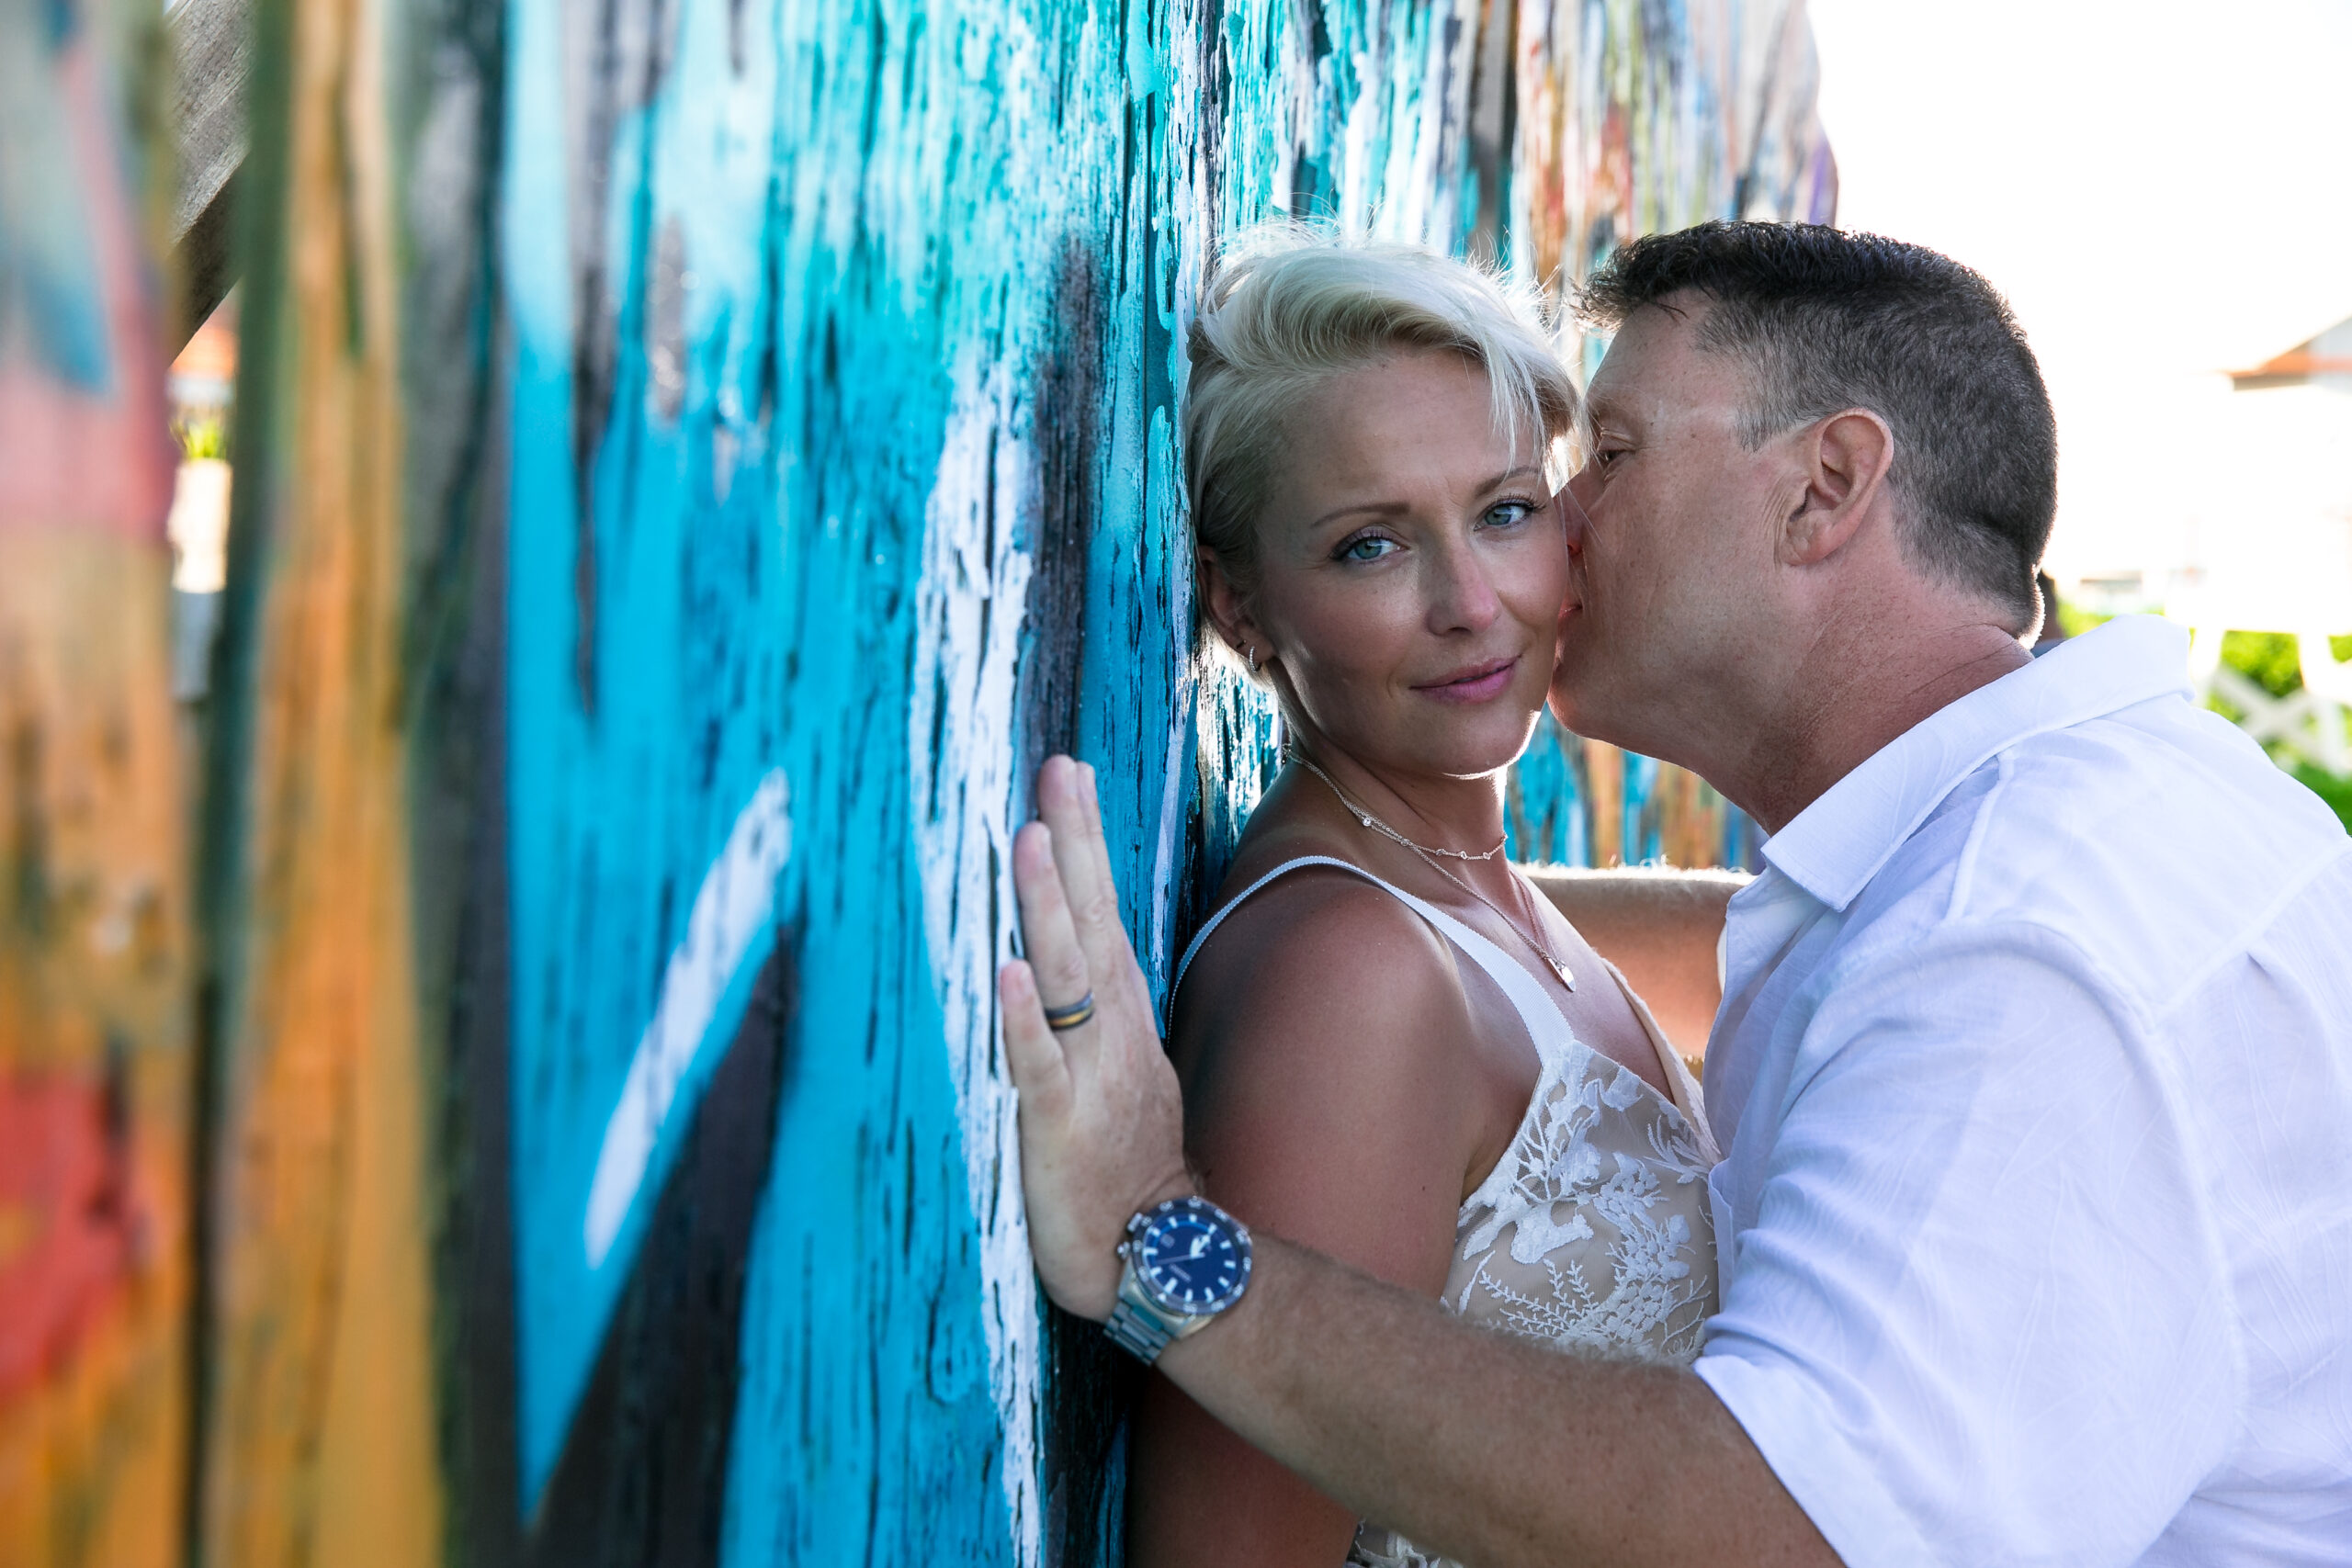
pixel 201 438
pixel 2074 622
pixel 2270 660
pixel 2267 659
pixel 2333 788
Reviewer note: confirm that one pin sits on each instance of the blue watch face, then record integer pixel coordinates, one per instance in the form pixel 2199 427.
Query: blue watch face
pixel 1192 1262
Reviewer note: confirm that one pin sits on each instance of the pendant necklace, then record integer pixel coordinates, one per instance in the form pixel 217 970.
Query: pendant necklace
pixel 1532 936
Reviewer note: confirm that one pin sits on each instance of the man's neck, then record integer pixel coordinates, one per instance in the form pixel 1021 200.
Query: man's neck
pixel 1860 685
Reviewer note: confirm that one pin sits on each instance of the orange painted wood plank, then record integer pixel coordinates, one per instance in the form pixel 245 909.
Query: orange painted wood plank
pixel 93 1060
pixel 94 1046
pixel 320 1444
pixel 1604 784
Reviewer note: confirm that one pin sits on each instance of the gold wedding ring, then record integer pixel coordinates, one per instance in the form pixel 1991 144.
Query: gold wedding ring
pixel 1070 1017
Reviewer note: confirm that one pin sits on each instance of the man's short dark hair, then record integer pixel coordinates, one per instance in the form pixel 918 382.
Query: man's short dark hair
pixel 1827 321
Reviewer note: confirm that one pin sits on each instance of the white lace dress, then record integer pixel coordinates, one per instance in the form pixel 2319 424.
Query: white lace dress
pixel 1592 1233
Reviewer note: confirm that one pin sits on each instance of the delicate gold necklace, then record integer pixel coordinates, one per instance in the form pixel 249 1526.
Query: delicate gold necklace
pixel 1377 826
pixel 1532 936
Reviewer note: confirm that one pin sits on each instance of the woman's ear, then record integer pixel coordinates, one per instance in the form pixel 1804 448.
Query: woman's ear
pixel 1846 458
pixel 1227 609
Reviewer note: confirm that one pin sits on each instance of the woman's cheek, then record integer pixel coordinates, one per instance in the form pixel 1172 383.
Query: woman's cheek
pixel 1344 635
pixel 1538 583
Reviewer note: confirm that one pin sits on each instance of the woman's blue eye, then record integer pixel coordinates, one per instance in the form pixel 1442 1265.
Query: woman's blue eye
pixel 1371 547
pixel 1508 513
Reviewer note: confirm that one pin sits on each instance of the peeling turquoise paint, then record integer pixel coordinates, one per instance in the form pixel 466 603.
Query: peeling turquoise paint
pixel 847 358
pixel 627 770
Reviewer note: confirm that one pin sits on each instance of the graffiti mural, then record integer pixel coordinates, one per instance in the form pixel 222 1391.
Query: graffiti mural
pixel 95 1052
pixel 694 459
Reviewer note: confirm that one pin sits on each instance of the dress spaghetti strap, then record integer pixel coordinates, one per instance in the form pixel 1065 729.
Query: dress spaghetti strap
pixel 1203 935
pixel 1545 1025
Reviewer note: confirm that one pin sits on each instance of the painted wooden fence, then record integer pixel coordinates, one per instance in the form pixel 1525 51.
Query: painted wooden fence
pixel 95 1056
pixel 693 458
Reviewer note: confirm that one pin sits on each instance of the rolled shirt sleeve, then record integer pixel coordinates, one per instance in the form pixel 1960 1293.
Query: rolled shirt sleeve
pixel 1975 1308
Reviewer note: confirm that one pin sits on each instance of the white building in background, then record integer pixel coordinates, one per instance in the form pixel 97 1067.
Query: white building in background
pixel 2267 545
pixel 202 389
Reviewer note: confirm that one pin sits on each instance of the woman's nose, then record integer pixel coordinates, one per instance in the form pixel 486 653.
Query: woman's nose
pixel 1463 598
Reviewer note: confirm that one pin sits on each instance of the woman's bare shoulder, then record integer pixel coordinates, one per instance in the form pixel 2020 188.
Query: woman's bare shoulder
pixel 1326 1043
pixel 1323 999
pixel 1321 942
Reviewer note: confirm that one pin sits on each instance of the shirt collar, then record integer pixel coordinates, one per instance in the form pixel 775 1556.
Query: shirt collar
pixel 1835 845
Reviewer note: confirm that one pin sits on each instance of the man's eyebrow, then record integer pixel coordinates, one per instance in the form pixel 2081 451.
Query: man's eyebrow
pixel 1392 508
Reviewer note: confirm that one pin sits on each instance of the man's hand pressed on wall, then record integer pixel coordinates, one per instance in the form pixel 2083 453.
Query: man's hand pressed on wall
pixel 1485 1448
pixel 1102 1118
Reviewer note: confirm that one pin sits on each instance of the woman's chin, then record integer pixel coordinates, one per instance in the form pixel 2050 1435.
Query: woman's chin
pixel 1492 741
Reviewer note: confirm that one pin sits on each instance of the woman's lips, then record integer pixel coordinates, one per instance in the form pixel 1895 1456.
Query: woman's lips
pixel 1476 684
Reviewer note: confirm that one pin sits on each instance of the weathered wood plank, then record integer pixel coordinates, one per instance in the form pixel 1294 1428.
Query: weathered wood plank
pixel 94 1048
pixel 318 1429
pixel 445 108
pixel 212 46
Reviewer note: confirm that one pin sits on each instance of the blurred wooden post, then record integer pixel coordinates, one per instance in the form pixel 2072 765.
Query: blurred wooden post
pixel 1604 781
pixel 212 46
pixel 343 1418
pixel 93 936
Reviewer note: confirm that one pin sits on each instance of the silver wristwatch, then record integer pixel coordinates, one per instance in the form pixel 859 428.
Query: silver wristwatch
pixel 1186 1261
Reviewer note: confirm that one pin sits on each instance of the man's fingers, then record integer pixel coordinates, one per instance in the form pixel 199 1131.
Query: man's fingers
pixel 1102 1118
pixel 1040 1074
pixel 1066 800
pixel 1059 959
pixel 1094 848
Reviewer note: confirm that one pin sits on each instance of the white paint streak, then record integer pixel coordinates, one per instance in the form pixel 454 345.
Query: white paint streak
pixel 733 905
pixel 1170 834
pixel 970 610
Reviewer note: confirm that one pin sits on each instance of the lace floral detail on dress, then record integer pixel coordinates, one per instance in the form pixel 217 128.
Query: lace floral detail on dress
pixel 1592 1233
pixel 1589 1233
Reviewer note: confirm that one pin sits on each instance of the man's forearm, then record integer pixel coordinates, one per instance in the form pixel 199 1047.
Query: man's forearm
pixel 1489 1448
pixel 1470 1442
pixel 1661 926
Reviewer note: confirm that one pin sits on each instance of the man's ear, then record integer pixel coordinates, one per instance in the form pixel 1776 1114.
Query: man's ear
pixel 1846 456
pixel 1226 606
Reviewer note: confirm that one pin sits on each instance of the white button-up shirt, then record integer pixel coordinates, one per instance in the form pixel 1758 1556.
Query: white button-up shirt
pixel 2034 1074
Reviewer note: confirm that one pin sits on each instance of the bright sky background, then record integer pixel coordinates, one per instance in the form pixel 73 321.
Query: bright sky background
pixel 2163 189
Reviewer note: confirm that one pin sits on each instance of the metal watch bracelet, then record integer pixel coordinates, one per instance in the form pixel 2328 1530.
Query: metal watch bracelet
pixel 1136 1332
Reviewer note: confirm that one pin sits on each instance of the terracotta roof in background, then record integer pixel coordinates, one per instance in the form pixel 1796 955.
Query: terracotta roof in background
pixel 2296 362
pixel 212 352
pixel 2322 356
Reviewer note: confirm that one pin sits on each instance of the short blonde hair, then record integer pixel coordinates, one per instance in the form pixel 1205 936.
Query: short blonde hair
pixel 1288 307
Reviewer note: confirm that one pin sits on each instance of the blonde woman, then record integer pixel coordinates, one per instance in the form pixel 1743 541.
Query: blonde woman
pixel 1392 1048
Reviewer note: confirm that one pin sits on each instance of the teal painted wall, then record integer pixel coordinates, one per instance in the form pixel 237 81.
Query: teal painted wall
pixel 846 358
